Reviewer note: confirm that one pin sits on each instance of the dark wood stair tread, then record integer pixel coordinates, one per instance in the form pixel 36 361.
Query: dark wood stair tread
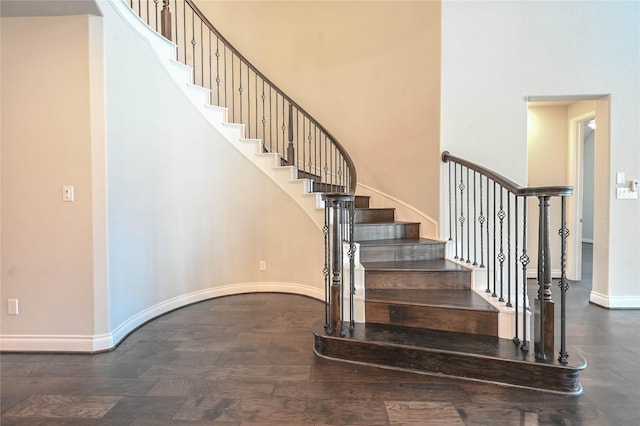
pixel 458 299
pixel 477 345
pixel 400 242
pixel 429 265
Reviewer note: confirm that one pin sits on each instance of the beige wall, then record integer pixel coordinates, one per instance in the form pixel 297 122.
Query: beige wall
pixel 548 140
pixel 368 71
pixel 49 134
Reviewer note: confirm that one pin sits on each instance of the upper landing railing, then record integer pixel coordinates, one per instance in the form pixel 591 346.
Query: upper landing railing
pixel 250 97
pixel 488 225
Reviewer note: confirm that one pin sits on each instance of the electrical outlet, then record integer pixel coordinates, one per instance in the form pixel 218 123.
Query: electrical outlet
pixel 263 265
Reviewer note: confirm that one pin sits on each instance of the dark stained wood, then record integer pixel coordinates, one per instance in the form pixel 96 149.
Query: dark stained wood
pixel 448 310
pixel 401 250
pixel 369 215
pixel 497 361
pixel 424 274
pixel 362 201
pixel 386 231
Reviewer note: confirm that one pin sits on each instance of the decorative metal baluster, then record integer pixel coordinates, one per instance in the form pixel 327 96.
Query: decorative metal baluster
pixel 327 262
pixel 516 339
pixel 524 260
pixel 225 76
pixel 455 207
pixel 450 207
pixel 240 88
pixel 509 250
pixel 210 69
pixel 270 121
pixel 494 294
pixel 352 265
pixel 563 284
pixel 233 90
pixel 184 32
pixel 461 218
pixel 481 220
pixel 310 157
pixel 475 218
pixel 489 251
pixel 155 2
pixel 193 45
pixel 284 128
pixel 264 118
pixel 501 257
pixel 255 89
pixel 202 57
pixel 468 221
pixel 290 150
pixel 248 102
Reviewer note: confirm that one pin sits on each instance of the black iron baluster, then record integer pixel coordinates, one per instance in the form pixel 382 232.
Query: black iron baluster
pixel 481 220
pixel 284 129
pixel 450 207
pixel 327 262
pixel 495 269
pixel 202 57
pixel 509 250
pixel 193 45
pixel 461 218
pixel 233 89
pixel 524 260
pixel 501 258
pixel 226 104
pixel 264 118
pixel 351 253
pixel 240 89
pixel 455 208
pixel 277 134
pixel 516 339
pixel 184 31
pixel 563 284
pixel 248 102
pixel 468 221
pixel 270 120
pixel 255 89
pixel 475 218
pixel 210 69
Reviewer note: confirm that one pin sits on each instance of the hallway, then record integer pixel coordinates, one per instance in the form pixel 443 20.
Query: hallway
pixel 248 360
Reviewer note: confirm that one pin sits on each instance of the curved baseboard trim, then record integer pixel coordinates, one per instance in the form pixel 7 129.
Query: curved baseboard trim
pixel 108 341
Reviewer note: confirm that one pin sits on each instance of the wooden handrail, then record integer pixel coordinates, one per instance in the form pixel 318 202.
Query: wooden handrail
pixel 511 186
pixel 341 149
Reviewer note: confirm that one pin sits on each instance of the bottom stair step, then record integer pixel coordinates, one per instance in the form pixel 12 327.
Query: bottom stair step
pixel 461 355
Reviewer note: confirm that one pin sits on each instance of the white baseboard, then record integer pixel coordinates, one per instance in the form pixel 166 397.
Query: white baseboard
pixel 105 342
pixel 615 302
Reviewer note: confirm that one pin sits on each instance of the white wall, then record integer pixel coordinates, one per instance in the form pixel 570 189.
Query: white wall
pixel 495 54
pixel 189 216
pixel 167 212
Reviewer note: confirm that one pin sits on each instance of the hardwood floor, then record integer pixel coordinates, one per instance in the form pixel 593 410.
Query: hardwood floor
pixel 248 360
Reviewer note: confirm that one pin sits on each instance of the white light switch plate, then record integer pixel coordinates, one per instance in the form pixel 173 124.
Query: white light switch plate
pixel 626 194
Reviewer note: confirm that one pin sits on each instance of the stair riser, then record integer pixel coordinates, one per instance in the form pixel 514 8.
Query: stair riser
pixel 445 280
pixel 362 202
pixel 453 364
pixel 401 252
pixel 386 232
pixel 374 215
pixel 433 317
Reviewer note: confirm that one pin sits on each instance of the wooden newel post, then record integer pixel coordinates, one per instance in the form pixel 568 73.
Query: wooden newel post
pixel 165 20
pixel 290 150
pixel 544 307
pixel 335 204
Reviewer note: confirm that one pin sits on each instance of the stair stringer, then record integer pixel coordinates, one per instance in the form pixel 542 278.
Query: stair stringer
pixel 506 314
pixel 252 149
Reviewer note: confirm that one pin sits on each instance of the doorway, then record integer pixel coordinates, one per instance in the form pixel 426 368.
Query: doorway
pixel 568 135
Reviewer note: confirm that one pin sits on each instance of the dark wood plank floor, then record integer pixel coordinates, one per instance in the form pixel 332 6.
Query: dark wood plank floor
pixel 248 360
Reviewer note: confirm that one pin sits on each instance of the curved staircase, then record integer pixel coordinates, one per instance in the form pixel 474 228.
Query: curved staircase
pixel 422 315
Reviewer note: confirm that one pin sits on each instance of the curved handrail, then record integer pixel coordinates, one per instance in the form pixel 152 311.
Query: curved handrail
pixel 511 186
pixel 341 149
pixel 250 97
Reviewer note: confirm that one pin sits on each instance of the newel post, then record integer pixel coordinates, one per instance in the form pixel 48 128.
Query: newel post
pixel 165 20
pixel 334 234
pixel 544 307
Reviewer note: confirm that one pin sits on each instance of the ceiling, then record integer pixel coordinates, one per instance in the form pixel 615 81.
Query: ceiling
pixel 15 8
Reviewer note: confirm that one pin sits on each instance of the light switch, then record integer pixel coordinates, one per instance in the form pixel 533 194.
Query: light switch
pixel 67 193
pixel 620 178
